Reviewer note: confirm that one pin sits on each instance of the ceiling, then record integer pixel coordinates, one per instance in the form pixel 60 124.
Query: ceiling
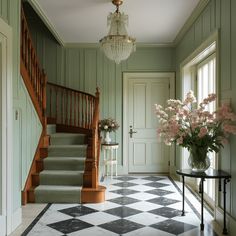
pixel 85 21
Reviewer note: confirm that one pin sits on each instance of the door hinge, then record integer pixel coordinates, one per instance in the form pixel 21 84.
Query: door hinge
pixel 169 85
pixel 168 163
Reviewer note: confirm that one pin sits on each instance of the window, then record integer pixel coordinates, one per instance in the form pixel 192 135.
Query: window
pixel 206 84
pixel 199 75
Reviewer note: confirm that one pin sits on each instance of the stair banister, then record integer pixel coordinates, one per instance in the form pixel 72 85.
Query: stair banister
pixel 35 81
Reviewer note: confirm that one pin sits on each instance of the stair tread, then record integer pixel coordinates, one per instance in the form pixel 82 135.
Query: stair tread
pixel 62 172
pixel 57 157
pixel 55 135
pixel 68 146
pixel 61 159
pixel 58 187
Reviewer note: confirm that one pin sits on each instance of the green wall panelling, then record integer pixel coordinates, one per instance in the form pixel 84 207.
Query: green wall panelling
pixel 4 9
pixel 72 68
pixel 151 59
pixel 213 14
pixel 206 22
pixel 29 133
pixel 46 46
pixel 198 31
pixel 225 45
pixel 60 65
pixel 90 73
pixel 17 128
pixel 118 110
pixel 14 19
pixel 233 76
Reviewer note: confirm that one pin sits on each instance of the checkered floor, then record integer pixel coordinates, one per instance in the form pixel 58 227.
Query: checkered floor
pixel 135 205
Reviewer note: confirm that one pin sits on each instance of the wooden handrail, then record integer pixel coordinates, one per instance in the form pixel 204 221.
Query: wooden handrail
pixel 70 89
pixel 70 107
pixel 34 77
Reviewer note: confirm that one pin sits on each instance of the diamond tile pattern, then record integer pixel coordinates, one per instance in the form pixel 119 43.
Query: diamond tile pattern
pixel 136 205
pixel 124 200
pixel 163 201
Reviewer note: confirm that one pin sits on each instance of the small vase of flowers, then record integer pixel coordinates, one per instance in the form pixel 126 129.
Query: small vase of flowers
pixel 195 128
pixel 108 125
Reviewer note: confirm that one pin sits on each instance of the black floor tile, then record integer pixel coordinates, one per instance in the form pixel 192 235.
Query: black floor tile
pixel 69 226
pixel 124 200
pixel 125 191
pixel 173 226
pixel 123 211
pixel 156 185
pixel 163 201
pixel 166 212
pixel 159 192
pixel 125 178
pixel 124 184
pixel 121 226
pixel 78 211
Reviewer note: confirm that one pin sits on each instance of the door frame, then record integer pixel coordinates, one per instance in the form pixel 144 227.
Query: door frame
pixel 137 75
pixel 6 127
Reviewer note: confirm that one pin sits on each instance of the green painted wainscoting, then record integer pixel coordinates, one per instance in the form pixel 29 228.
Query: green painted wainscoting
pixel 27 127
pixel 218 14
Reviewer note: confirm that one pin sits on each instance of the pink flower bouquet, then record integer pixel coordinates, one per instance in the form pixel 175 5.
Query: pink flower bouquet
pixel 190 125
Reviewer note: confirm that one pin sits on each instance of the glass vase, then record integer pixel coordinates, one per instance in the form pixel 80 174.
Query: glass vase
pixel 107 138
pixel 198 159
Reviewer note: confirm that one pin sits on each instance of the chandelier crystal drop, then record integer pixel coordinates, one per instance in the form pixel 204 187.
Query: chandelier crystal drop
pixel 117 45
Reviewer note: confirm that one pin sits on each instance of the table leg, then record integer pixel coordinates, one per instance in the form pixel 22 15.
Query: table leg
pixel 105 164
pixel 183 213
pixel 202 212
pixel 224 193
pixel 116 163
pixel 111 159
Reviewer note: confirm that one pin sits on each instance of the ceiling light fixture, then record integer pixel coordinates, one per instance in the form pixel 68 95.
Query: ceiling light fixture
pixel 117 45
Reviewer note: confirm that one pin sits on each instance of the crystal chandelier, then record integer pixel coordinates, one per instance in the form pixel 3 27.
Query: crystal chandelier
pixel 117 45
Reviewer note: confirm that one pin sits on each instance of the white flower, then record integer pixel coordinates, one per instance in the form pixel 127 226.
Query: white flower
pixel 105 127
pixel 112 125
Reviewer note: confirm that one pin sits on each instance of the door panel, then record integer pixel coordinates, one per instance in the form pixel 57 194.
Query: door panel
pixel 145 152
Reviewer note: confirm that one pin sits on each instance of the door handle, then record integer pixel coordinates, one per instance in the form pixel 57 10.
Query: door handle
pixel 131 132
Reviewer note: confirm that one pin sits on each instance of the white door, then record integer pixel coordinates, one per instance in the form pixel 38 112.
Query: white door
pixel 146 154
pixel 5 128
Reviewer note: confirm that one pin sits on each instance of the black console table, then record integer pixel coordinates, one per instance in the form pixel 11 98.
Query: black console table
pixel 209 174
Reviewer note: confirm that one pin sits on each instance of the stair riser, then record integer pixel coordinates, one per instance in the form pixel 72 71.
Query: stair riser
pixel 52 197
pixel 67 140
pixel 73 180
pixel 51 129
pixel 64 165
pixel 67 152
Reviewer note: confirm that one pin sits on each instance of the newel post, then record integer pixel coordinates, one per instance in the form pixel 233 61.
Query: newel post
pixel 95 141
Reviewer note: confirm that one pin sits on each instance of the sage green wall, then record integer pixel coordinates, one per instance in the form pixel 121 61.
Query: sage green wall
pixel 49 51
pixel 27 127
pixel 218 14
pixel 87 68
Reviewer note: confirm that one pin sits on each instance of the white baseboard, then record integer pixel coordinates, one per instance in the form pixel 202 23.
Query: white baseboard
pixel 230 222
pixel 2 225
pixel 16 219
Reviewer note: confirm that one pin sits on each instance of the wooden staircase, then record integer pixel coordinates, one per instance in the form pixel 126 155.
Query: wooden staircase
pixel 70 110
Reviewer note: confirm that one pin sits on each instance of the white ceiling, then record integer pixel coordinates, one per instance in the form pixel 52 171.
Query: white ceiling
pixel 85 21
